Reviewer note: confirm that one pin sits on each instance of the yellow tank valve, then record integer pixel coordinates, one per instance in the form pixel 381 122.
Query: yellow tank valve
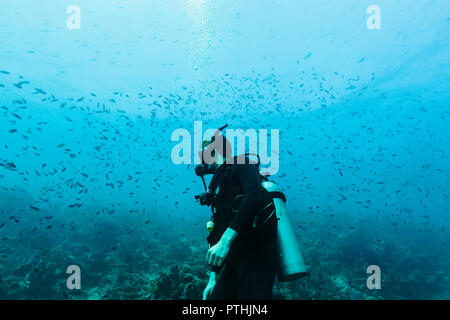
pixel 210 226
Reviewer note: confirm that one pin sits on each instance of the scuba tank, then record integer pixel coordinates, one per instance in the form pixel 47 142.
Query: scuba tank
pixel 291 262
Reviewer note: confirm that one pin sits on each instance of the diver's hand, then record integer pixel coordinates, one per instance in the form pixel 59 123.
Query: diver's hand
pixel 210 286
pixel 216 254
pixel 206 198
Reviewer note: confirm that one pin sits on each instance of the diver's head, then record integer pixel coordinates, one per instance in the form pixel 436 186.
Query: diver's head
pixel 213 153
pixel 210 162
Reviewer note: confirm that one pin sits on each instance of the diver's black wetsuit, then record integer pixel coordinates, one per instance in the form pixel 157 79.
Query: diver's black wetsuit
pixel 249 270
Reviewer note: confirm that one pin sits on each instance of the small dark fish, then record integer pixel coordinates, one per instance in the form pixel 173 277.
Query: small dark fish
pixel 20 84
pixel 9 165
pixel 39 91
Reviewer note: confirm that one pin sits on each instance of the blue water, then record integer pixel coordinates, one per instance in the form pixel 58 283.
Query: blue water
pixel 86 117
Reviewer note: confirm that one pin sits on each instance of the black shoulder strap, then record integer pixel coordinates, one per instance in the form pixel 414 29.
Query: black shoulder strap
pixel 278 194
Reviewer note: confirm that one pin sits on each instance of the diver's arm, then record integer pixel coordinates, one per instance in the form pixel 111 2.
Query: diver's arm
pixel 228 236
pixel 254 197
pixel 215 257
pixel 212 276
pixel 253 200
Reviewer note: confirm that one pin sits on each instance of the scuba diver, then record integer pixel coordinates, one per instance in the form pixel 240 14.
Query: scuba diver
pixel 242 241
